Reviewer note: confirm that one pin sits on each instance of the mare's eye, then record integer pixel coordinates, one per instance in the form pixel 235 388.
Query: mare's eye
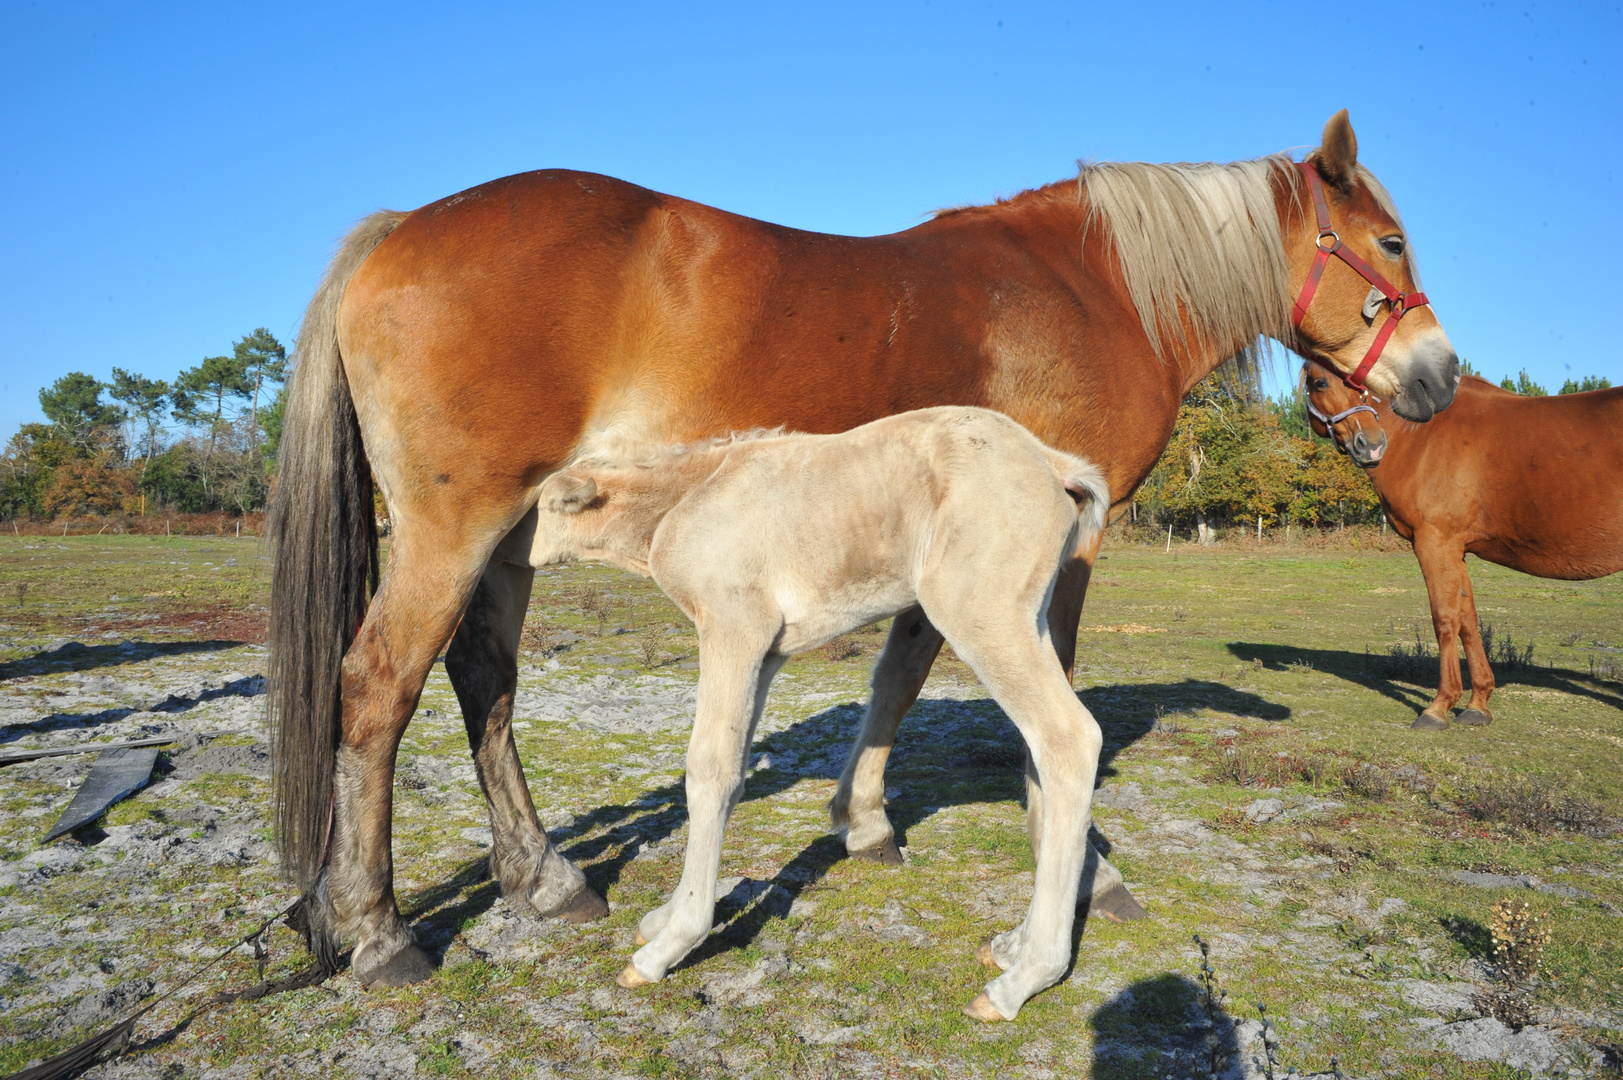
pixel 1392 245
pixel 1321 384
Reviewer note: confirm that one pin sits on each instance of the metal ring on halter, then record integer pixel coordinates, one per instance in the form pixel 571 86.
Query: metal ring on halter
pixel 1333 235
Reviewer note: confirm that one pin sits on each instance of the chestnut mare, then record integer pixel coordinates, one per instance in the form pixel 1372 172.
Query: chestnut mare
pixel 459 354
pixel 1532 483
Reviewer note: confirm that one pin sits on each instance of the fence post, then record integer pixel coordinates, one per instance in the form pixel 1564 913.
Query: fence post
pixel 1259 529
pixel 1169 538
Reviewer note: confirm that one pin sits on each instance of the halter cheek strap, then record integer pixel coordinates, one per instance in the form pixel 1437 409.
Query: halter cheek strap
pixel 1329 244
pixel 1330 422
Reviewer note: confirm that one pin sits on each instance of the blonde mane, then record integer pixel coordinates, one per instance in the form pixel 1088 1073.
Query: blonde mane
pixel 1200 239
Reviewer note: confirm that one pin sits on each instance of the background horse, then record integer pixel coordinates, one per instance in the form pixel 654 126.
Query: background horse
pixel 459 354
pixel 1532 483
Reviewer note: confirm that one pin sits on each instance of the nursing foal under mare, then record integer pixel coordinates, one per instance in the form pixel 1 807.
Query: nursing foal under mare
pixel 1532 483
pixel 774 545
pixel 461 353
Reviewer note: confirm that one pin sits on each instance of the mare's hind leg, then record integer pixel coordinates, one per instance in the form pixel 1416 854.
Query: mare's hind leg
pixel 383 672
pixel 734 674
pixel 483 664
pixel 858 807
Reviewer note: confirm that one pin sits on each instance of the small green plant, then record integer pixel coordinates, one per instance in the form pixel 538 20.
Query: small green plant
pixel 1410 662
pixel 1502 652
pixel 541 636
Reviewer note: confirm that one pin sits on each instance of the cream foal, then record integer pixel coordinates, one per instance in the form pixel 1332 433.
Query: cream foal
pixel 774 544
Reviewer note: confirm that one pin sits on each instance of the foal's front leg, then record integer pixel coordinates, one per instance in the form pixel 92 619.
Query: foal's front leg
pixel 734 674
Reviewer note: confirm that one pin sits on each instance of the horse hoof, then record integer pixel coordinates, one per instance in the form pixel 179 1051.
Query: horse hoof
pixel 409 965
pixel 631 978
pixel 1474 718
pixel 1117 906
pixel 583 907
pixel 885 852
pixel 1428 722
pixel 983 1009
pixel 985 957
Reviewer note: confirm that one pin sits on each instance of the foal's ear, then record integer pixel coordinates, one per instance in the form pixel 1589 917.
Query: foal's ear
pixel 1338 152
pixel 568 493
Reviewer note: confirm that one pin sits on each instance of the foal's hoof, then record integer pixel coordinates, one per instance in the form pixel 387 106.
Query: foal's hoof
pixel 885 852
pixel 583 907
pixel 1428 722
pixel 631 978
pixel 983 1009
pixel 985 957
pixel 1474 718
pixel 409 965
pixel 1117 906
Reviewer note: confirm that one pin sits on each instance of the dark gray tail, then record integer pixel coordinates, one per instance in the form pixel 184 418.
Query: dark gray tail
pixel 325 547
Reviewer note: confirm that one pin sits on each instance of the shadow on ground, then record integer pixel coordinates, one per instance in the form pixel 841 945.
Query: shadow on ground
pixel 947 753
pixel 78 657
pixel 1373 672
pixel 1154 1028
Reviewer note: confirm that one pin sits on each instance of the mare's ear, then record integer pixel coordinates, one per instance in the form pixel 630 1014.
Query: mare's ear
pixel 568 493
pixel 1337 158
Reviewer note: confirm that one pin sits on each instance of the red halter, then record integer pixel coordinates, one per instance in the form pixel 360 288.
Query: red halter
pixel 1402 303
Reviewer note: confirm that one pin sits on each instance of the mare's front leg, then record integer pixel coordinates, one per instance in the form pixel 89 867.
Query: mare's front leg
pixel 382 678
pixel 483 665
pixel 735 672
pixel 1442 563
pixel 1476 712
pixel 858 807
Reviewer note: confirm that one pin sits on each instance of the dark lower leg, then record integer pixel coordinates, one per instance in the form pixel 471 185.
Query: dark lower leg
pixel 483 665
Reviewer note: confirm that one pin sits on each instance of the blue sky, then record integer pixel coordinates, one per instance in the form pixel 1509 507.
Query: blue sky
pixel 173 176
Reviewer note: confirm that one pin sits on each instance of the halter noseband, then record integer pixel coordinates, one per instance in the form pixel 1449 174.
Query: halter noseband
pixel 1402 303
pixel 1330 422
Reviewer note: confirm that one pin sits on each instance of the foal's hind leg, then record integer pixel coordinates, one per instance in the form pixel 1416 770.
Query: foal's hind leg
pixel 483 664
pixel 858 807
pixel 1102 883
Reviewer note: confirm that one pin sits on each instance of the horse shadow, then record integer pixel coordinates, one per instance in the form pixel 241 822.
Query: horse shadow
pixel 1375 672
pixel 1156 1027
pixel 948 752
pixel 75 656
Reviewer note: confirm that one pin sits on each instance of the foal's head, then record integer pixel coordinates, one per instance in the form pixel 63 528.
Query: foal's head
pixel 1340 414
pixel 1365 316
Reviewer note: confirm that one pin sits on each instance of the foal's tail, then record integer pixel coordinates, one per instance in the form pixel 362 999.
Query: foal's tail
pixel 325 547
pixel 1086 485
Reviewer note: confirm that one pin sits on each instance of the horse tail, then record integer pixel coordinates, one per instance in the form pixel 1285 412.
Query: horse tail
pixel 1087 487
pixel 325 564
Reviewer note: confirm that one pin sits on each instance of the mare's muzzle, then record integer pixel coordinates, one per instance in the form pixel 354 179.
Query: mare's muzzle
pixel 1434 372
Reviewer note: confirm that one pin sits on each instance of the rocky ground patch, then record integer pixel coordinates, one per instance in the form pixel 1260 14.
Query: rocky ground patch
pixel 1268 798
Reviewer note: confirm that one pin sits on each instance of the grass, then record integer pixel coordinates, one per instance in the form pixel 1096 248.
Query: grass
pixel 1270 676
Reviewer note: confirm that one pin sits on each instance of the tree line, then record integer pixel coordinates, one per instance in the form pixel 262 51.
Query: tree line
pixel 207 442
pixel 204 442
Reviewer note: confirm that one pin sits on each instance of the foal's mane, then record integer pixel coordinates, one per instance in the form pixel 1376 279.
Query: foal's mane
pixel 639 455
